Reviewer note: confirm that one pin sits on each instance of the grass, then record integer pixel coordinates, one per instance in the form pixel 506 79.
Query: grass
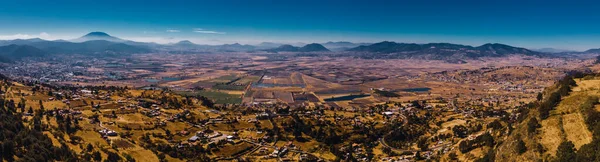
pixel 573 125
pixel 91 137
pixel 551 134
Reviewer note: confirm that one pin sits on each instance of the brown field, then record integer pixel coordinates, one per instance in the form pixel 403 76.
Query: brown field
pixel 233 149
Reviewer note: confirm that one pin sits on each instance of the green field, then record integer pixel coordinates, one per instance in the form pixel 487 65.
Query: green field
pixel 232 82
pixel 229 87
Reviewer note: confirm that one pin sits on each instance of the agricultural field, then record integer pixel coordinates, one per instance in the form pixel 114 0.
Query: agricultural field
pixel 272 107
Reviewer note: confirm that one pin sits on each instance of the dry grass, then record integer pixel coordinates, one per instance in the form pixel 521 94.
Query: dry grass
pixel 141 154
pixel 551 134
pixel 566 121
pixel 576 129
pixel 92 138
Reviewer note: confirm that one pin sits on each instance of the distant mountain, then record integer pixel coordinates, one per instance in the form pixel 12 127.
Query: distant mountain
pixel 20 41
pixel 14 52
pixel 234 47
pixel 98 36
pixel 90 47
pixel 284 48
pixel 497 50
pixel 268 45
pixel 388 49
pixel 552 50
pixel 342 46
pixel 313 47
pixel 190 46
pixel 594 50
pixel 92 43
pixel 185 43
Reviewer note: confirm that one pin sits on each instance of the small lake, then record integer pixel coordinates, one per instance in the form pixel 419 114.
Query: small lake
pixel 168 79
pixel 152 80
pixel 165 79
pixel 346 98
pixel 423 89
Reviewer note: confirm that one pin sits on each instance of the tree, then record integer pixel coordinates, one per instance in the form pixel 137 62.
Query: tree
pixel 495 125
pixel 161 156
pixel 460 131
pixel 422 144
pixel 565 152
pixel 540 96
pixel 113 157
pixel 520 147
pixel 97 156
pixel 128 158
pixel 453 156
pixel 41 106
pixel 168 133
pixel 532 125
pixel 387 150
pixel 89 147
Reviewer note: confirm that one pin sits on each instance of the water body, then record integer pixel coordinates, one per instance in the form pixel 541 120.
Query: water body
pixel 423 89
pixel 168 79
pixel 346 98
pixel 152 80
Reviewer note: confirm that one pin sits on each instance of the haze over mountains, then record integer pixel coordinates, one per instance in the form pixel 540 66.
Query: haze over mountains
pixel 103 43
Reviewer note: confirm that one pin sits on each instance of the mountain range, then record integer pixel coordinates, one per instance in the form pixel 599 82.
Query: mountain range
pixel 342 46
pixel 14 52
pixel 313 47
pixel 393 50
pixel 100 43
pixel 552 50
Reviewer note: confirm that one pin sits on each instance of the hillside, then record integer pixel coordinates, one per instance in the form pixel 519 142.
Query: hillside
pixel 562 126
pixel 595 50
pixel 392 50
pixel 89 47
pixel 14 52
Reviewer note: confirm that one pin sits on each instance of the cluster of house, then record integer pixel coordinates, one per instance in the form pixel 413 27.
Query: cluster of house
pixel 154 111
pixel 211 137
pixel 105 133
pixel 278 152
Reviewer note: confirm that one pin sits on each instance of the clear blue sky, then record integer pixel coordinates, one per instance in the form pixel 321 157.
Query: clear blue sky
pixel 534 24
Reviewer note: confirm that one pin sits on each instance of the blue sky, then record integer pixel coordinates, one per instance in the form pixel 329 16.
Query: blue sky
pixel 533 24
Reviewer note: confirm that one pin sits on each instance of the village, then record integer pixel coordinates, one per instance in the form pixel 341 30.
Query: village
pixel 119 119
